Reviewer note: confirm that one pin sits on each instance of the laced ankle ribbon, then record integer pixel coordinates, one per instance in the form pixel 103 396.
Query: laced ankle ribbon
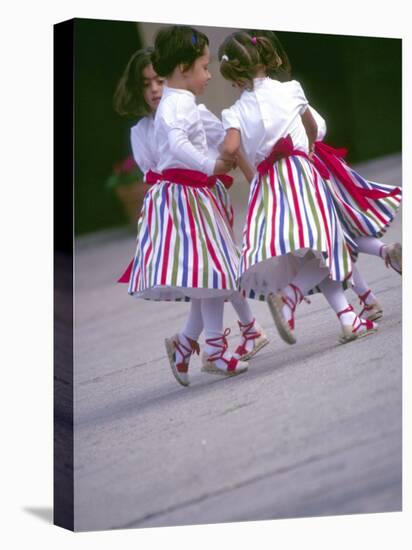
pixel 194 348
pixel 361 322
pixel 362 300
pixel 221 344
pixel 298 297
pixel 249 332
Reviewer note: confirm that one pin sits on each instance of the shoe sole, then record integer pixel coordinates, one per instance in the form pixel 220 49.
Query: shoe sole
pixel 211 369
pixel 347 339
pixel 275 304
pixel 170 349
pixel 375 316
pixel 396 256
pixel 254 351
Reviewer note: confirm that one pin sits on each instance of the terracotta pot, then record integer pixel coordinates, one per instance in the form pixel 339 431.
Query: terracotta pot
pixel 131 196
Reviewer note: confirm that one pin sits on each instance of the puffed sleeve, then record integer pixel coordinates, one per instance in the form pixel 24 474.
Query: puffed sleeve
pixel 178 121
pixel 213 126
pixel 321 123
pixel 230 118
pixel 144 157
pixel 298 96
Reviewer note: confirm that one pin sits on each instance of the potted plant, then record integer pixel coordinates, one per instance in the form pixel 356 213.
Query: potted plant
pixel 126 181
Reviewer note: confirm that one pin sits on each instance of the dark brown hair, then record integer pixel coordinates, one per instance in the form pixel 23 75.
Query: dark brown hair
pixel 284 71
pixel 241 56
pixel 128 98
pixel 177 44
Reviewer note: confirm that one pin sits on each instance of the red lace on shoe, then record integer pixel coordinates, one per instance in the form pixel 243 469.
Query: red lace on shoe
pixel 362 300
pixel 361 322
pixel 179 346
pixel 248 333
pixel 221 343
pixel 298 297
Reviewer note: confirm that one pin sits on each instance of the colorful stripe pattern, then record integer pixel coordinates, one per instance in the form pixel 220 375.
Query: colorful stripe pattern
pixel 184 242
pixel 290 210
pixel 355 221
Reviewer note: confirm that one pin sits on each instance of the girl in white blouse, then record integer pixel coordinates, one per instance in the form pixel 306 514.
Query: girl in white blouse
pixel 363 221
pixel 293 239
pixel 185 247
pixel 139 92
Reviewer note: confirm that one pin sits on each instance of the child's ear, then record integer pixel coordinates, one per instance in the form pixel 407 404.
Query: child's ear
pixel 183 67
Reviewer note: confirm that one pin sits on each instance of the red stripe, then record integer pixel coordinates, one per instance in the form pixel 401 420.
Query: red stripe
pixel 249 218
pixel 211 249
pixel 166 244
pixel 150 247
pixel 125 278
pixel 322 210
pixel 195 266
pixel 296 203
pixel 272 185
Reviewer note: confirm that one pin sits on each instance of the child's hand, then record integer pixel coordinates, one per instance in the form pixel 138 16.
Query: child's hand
pixel 222 166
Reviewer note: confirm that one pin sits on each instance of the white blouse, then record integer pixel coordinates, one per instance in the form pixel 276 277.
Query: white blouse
pixel 144 147
pixel 320 122
pixel 179 133
pixel 270 111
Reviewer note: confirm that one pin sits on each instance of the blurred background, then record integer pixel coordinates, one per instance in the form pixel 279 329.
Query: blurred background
pixel 354 82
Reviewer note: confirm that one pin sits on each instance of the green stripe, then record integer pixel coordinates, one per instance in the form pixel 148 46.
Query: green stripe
pixel 155 197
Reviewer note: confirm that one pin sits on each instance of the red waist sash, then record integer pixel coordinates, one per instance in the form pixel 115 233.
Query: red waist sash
pixel 191 178
pixel 330 157
pixel 283 148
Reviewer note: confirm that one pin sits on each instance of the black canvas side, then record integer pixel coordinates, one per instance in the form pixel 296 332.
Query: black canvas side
pixel 63 274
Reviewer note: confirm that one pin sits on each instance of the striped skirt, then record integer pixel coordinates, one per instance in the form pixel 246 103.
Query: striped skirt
pixel 355 221
pixel 185 244
pixel 290 213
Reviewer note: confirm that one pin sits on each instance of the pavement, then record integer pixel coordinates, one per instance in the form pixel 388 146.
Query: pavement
pixel 313 429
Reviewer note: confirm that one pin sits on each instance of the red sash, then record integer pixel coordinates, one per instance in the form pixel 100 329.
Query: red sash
pixel 283 148
pixel 330 158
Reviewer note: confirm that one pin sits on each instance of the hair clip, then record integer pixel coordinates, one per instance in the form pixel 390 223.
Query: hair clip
pixel 194 39
pixel 224 58
pixel 254 40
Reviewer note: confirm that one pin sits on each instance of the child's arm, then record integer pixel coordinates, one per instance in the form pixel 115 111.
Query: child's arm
pixel 311 128
pixel 230 145
pixel 244 165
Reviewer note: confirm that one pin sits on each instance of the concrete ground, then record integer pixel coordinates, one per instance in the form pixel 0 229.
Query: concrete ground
pixel 312 429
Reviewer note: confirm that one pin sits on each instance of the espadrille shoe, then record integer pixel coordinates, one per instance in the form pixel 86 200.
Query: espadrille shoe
pixel 180 370
pixel 253 334
pixel 276 303
pixel 392 255
pixel 358 329
pixel 372 311
pixel 217 363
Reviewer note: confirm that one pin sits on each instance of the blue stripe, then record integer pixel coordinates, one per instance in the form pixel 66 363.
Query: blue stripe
pixel 282 212
pixel 262 225
pixel 225 250
pixel 184 235
pixel 357 212
pixel 332 218
pixel 215 279
pixel 368 185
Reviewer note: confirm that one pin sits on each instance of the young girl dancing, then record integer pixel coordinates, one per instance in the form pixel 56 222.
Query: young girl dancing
pixel 293 239
pixel 138 94
pixel 366 208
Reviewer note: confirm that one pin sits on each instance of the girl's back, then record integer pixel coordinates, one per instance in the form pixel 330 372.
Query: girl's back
pixel 270 111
